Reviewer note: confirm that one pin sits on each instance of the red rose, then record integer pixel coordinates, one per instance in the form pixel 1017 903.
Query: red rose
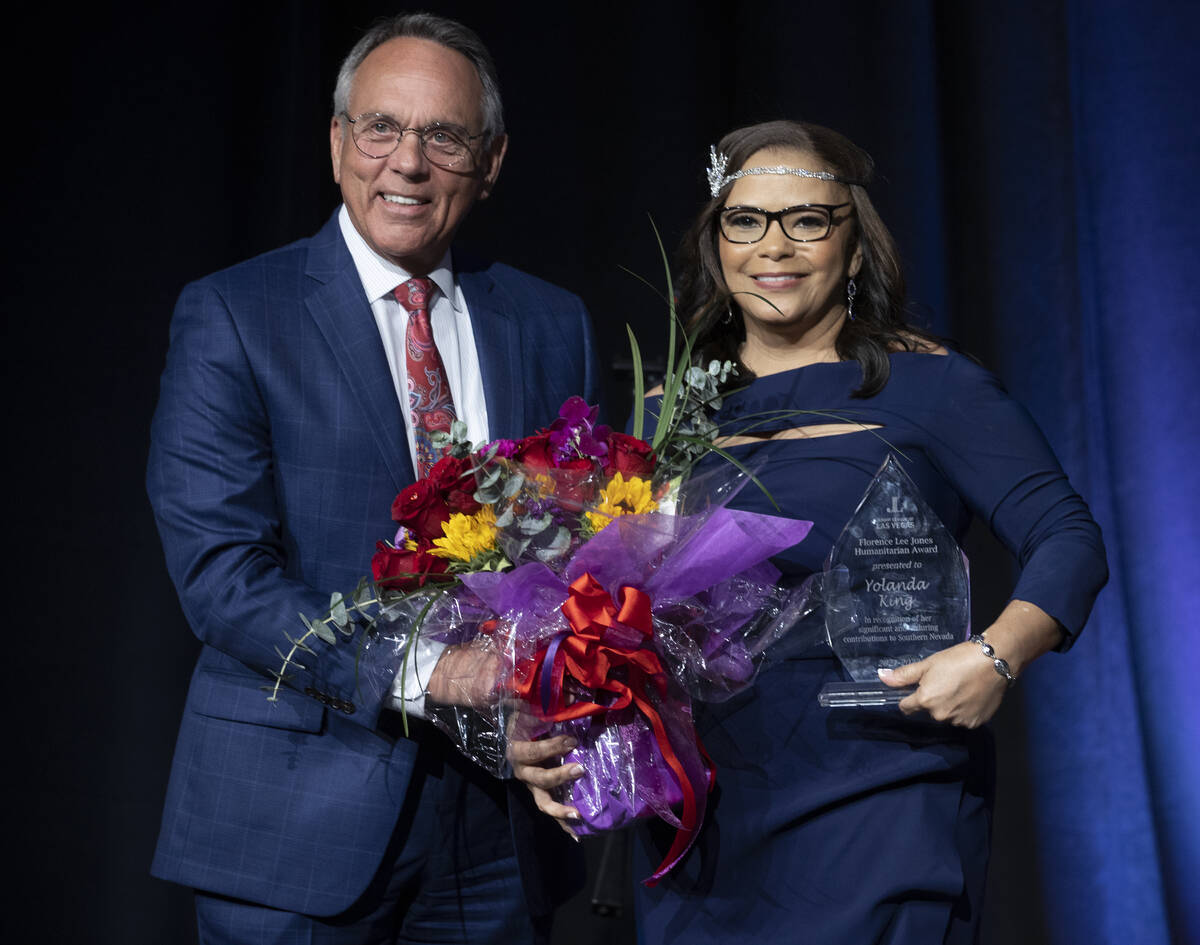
pixel 421 509
pixel 463 500
pixel 628 456
pixel 455 479
pixel 447 472
pixel 402 569
pixel 574 482
pixel 535 453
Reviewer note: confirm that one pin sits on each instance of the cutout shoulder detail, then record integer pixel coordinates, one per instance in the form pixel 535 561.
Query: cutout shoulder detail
pixel 809 432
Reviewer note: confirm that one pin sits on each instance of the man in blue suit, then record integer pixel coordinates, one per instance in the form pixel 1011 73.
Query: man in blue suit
pixel 281 436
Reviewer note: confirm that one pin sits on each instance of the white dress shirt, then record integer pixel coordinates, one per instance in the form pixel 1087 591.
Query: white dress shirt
pixel 451 322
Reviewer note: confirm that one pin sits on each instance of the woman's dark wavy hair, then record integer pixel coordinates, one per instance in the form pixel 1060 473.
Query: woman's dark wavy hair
pixel 879 324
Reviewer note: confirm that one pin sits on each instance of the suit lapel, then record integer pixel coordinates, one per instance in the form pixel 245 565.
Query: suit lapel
pixel 497 331
pixel 342 313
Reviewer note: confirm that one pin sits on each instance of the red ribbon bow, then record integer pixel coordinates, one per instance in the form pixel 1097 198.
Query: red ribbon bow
pixel 605 638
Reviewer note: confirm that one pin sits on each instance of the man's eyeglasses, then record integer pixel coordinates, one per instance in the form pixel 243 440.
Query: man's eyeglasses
pixel 377 136
pixel 804 224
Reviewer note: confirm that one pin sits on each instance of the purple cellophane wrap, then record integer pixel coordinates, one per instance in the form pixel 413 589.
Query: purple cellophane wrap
pixel 707 576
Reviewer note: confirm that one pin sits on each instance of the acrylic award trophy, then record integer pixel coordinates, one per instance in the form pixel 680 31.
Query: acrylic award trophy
pixel 896 590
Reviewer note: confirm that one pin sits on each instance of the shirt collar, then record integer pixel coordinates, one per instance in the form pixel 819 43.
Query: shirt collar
pixel 379 276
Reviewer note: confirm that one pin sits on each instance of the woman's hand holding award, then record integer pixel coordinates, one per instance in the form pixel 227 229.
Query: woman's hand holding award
pixel 896 590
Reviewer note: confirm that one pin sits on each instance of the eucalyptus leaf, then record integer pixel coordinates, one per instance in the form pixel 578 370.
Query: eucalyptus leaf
pixel 299 644
pixel 486 496
pixel 362 593
pixel 287 660
pixel 562 540
pixel 319 629
pixel 505 518
pixel 337 610
pixel 513 485
pixel 491 476
pixel 557 548
pixel 535 526
pixel 323 631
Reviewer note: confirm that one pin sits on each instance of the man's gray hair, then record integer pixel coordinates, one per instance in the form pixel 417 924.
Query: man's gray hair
pixel 437 29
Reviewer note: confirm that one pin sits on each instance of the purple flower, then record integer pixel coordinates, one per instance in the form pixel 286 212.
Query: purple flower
pixel 505 449
pixel 576 411
pixel 575 432
pixel 536 508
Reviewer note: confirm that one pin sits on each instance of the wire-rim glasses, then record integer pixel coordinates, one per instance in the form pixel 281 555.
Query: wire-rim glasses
pixel 445 145
pixel 804 223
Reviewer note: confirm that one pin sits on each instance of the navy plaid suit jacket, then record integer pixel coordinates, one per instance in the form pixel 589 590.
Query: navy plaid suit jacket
pixel 276 449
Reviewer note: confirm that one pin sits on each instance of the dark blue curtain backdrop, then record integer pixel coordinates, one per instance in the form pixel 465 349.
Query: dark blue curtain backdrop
pixel 1086 242
pixel 1133 81
pixel 1038 164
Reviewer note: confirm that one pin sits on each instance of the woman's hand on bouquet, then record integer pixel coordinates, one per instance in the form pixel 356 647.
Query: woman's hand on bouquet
pixel 539 765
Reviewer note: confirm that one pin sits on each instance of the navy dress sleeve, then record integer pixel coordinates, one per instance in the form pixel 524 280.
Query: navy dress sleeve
pixel 989 448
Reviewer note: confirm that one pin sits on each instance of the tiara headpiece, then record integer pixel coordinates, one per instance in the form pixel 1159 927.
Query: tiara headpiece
pixel 717 178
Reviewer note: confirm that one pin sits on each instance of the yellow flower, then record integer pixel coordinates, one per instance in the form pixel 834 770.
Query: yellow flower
pixel 621 497
pixel 467 536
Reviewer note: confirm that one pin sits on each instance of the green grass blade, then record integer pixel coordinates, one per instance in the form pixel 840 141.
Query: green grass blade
pixel 646 282
pixel 729 457
pixel 639 385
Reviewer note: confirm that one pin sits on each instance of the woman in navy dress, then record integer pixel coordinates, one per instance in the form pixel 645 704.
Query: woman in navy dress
pixel 844 827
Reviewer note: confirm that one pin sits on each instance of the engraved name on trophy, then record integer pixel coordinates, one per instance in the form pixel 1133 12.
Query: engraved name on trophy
pixel 896 590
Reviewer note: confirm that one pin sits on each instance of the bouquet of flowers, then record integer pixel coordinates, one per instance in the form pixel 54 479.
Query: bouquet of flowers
pixel 603 588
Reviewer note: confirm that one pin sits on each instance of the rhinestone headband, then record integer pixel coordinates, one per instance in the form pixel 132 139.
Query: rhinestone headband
pixel 717 178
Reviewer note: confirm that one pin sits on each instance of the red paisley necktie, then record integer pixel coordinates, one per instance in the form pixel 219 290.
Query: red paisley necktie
pixel 429 400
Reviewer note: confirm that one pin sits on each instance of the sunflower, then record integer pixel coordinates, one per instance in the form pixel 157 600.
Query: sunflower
pixel 467 537
pixel 621 497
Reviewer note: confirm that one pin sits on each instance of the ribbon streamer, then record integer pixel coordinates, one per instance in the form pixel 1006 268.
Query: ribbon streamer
pixel 605 643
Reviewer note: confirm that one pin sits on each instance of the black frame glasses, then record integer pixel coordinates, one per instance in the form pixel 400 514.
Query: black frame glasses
pixel 435 150
pixel 779 216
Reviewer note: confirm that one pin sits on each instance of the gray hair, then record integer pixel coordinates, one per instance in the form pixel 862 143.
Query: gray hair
pixel 437 29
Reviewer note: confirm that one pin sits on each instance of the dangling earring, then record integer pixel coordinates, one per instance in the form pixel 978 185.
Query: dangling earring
pixel 851 291
pixel 728 319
